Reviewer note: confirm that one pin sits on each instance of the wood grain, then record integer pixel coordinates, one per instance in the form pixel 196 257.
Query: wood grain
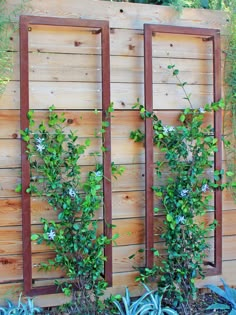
pixel 83 95
pixel 65 70
pixel 64 67
pixel 126 15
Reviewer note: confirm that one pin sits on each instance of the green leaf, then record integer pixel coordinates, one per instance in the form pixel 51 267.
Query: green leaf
pixel 76 226
pixel 87 142
pixel 229 174
pixel 30 114
pixel 115 236
pixel 156 210
pixel 34 237
pixel 175 72
pixel 156 253
pixel 141 250
pixel 52 108
pixel 105 124
pixel 131 256
pixel 182 117
pixel 205 4
pixel 111 108
pixel 18 188
pixel 158 193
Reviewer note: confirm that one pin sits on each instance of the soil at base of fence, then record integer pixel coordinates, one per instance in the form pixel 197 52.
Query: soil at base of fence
pixel 198 307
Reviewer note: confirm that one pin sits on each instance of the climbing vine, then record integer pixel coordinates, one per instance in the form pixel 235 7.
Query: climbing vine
pixel 185 195
pixel 58 177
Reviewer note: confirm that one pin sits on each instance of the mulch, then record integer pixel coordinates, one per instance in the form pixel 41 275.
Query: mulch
pixel 199 306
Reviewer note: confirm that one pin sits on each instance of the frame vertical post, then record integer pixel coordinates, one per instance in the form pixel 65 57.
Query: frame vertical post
pixel 214 36
pixel 148 78
pixel 103 26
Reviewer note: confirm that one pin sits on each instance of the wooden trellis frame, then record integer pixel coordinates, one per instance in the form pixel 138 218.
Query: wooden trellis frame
pixel 103 28
pixel 207 34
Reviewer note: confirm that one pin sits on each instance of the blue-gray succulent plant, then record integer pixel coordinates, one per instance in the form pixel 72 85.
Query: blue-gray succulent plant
pixel 229 294
pixel 150 303
pixel 20 308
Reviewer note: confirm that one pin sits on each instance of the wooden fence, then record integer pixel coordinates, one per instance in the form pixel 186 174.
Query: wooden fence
pixel 65 70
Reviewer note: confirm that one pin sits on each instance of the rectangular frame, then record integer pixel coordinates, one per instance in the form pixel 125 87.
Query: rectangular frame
pixel 103 26
pixel 214 35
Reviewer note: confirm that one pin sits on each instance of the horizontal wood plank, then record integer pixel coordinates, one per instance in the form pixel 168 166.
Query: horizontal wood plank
pixel 64 67
pixel 128 42
pixel 125 205
pixel 11 265
pixel 120 281
pixel 130 231
pixel 131 180
pixel 126 15
pixel 10 178
pixel 82 95
pixel 87 124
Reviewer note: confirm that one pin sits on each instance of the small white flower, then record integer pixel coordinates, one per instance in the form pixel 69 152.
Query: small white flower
pixel 184 192
pixel 98 173
pixel 39 140
pixel 201 110
pixel 171 128
pixel 204 188
pixel 40 147
pixel 167 129
pixel 72 193
pixel 180 219
pixel 51 235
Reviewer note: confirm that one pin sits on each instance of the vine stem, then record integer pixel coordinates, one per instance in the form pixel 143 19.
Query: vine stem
pixel 185 92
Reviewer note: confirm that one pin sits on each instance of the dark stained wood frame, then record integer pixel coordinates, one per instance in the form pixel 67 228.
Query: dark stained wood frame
pixel 103 28
pixel 207 34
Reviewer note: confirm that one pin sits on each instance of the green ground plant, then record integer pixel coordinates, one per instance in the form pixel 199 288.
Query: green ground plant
pixel 180 4
pixel 230 96
pixel 8 26
pixel 56 175
pixel 188 150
